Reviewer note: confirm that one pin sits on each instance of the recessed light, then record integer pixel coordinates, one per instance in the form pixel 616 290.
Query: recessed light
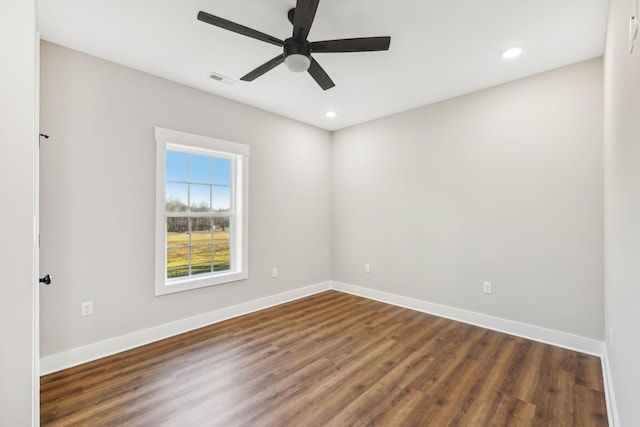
pixel 512 52
pixel 331 114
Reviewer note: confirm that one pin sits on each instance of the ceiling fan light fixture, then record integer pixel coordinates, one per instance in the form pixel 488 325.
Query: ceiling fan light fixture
pixel 297 62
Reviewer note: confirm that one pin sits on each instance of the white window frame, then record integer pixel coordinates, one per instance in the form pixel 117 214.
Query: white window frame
pixel 239 241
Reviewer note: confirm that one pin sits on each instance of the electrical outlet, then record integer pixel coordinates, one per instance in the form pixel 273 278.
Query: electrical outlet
pixel 87 308
pixel 486 287
pixel 367 268
pixel 274 272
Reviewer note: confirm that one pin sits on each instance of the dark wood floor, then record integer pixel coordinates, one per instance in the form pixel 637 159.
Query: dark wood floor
pixel 332 359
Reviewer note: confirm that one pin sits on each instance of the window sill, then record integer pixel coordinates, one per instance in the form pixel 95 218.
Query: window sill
pixel 178 285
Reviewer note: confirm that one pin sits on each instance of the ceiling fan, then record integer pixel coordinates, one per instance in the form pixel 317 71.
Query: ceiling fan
pixel 297 49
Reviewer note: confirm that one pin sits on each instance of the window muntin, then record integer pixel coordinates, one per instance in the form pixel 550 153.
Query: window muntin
pixel 201 225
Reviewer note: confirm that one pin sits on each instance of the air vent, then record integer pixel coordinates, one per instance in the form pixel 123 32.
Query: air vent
pixel 222 79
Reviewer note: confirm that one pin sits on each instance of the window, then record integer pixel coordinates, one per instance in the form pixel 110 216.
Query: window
pixel 201 211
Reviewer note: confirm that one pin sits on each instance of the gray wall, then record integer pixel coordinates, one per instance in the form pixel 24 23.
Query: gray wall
pixel 97 198
pixel 18 108
pixel 622 211
pixel 503 185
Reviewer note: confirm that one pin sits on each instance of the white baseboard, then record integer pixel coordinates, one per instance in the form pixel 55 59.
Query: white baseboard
pixel 87 353
pixel 536 333
pixel 612 409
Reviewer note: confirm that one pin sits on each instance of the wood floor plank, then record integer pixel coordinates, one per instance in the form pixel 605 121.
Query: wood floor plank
pixel 400 409
pixel 590 407
pixel 514 412
pixel 331 359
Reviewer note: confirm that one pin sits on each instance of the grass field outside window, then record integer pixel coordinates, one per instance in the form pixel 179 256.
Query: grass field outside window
pixel 204 251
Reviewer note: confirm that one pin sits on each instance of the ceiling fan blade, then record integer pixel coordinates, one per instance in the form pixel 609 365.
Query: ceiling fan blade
pixel 320 76
pixel 237 28
pixel 303 18
pixel 263 68
pixel 364 44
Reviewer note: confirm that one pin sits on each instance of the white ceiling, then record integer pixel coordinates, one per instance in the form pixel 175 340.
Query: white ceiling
pixel 439 49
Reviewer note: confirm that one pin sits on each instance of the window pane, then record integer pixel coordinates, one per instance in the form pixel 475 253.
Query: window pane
pixel 200 169
pixel 176 197
pixel 221 199
pixel 176 166
pixel 201 260
pixel 177 262
pixel 221 229
pixel 221 257
pixel 201 232
pixel 177 231
pixel 200 198
pixel 221 171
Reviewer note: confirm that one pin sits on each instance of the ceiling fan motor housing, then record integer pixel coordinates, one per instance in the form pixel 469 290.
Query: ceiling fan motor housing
pixel 293 47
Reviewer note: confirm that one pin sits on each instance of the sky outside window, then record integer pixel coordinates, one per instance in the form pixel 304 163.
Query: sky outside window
pixel 200 182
